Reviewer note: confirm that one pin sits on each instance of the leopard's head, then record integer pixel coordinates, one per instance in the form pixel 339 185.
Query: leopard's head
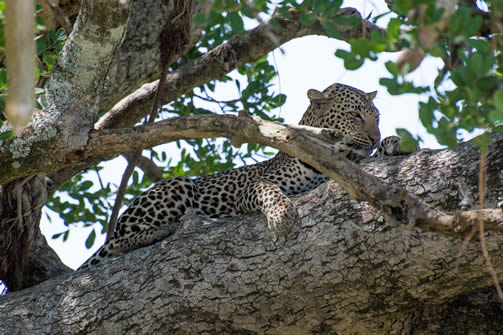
pixel 348 110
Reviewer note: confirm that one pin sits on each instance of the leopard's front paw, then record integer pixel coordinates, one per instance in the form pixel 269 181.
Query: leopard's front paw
pixel 281 218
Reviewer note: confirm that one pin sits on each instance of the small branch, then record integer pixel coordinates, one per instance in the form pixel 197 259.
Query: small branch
pixel 148 167
pixel 210 99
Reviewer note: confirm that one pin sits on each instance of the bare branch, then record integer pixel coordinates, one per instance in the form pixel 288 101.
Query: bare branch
pixel 148 167
pixel 307 143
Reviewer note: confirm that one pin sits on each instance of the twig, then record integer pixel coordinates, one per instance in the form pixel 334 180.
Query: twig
pixel 210 99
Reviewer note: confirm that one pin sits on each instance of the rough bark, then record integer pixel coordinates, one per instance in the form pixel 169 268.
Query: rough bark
pixel 343 270
pixel 73 93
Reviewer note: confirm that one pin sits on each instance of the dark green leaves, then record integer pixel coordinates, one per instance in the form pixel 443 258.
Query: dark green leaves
pixel 236 22
pixel 471 101
pixel 90 239
pixel 462 24
pixel 398 84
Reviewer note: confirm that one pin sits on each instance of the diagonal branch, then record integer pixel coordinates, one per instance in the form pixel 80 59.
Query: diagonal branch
pixel 307 143
pixel 239 50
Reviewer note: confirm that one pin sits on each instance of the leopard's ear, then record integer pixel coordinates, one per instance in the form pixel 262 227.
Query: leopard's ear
pixel 316 96
pixel 371 95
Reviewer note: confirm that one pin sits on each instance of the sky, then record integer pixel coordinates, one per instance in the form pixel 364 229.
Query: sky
pixel 307 62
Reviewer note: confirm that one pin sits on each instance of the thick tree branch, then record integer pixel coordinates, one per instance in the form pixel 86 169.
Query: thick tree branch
pixel 306 143
pixel 71 106
pixel 343 270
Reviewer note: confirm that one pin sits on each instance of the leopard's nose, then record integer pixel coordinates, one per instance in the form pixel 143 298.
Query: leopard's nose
pixel 374 139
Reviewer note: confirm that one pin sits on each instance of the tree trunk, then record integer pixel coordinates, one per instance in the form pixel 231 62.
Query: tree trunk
pixel 343 270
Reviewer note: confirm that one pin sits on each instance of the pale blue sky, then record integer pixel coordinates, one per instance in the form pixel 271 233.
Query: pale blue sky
pixel 307 62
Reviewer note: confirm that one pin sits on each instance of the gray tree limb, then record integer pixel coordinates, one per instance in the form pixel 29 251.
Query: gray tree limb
pixel 344 269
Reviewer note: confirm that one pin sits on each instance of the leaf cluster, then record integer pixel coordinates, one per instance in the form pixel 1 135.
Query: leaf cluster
pixel 466 94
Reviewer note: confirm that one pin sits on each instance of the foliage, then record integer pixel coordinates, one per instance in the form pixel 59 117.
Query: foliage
pixel 466 94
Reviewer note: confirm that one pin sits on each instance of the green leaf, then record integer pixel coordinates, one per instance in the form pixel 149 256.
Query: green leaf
pixel 3 78
pixel 85 185
pixel 307 19
pixel 236 22
pixel 247 12
pixel 426 112
pixel 393 30
pixel 407 143
pixel 458 20
pixel 6 135
pixel 472 26
pixel 332 30
pixel 483 141
pixel 378 37
pixel 479 44
pixel 498 102
pixel 477 64
pixel 350 21
pixel 392 68
pixel 200 18
pixel 90 239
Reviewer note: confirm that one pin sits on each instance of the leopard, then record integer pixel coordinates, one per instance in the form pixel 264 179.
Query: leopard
pixel 262 187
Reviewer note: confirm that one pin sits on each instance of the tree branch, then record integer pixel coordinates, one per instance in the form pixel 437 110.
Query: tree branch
pixel 148 167
pixel 307 143
pixel 343 269
pixel 239 50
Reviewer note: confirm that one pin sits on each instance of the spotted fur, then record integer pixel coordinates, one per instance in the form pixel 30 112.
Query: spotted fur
pixel 263 187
